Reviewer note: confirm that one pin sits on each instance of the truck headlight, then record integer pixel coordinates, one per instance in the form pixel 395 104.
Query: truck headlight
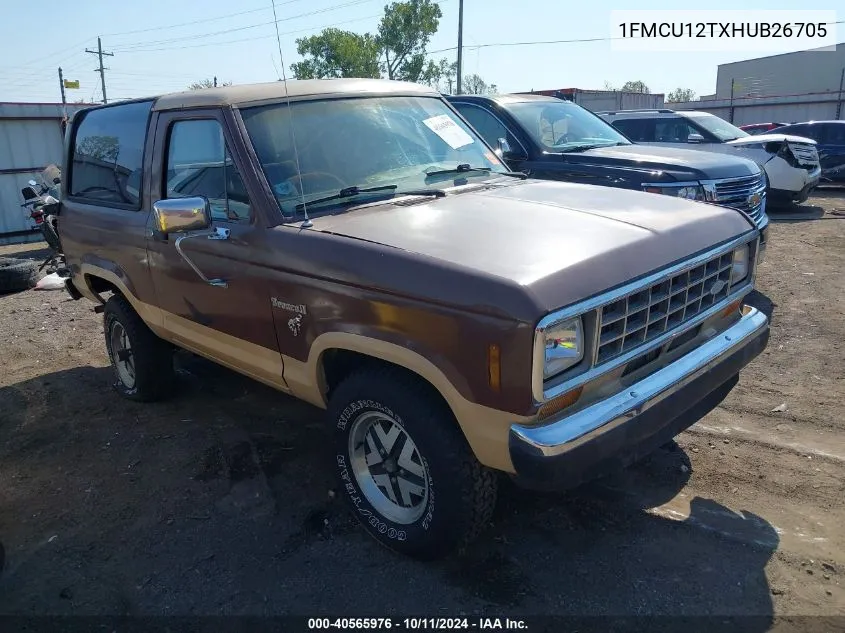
pixel 687 192
pixel 563 346
pixel 740 264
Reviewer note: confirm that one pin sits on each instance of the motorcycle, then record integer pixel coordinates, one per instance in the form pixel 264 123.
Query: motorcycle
pixel 42 202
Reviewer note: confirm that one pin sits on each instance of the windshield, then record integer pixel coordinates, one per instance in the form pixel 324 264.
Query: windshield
pixel 719 128
pixel 364 143
pixel 562 125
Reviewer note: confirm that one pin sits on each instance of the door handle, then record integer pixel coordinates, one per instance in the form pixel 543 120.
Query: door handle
pixel 216 234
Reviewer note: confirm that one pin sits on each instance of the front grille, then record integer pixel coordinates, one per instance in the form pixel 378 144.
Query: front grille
pixel 746 194
pixel 643 315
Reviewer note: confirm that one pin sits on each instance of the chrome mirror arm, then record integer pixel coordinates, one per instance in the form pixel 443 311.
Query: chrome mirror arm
pixel 215 234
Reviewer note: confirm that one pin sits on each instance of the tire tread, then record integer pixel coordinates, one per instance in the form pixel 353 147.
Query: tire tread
pixel 154 373
pixel 479 497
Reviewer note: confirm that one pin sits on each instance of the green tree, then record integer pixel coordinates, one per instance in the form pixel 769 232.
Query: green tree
pixel 441 75
pixel 635 86
pixel 334 53
pixel 99 147
pixel 403 34
pixel 207 83
pixel 680 94
pixel 475 85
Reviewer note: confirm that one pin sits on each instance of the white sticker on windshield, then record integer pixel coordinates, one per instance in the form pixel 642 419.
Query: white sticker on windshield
pixel 446 128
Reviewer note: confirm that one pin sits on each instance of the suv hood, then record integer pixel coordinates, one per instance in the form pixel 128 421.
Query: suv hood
pixel 768 138
pixel 704 165
pixel 562 241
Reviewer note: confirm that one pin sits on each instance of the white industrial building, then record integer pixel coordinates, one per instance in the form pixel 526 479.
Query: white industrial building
pixel 801 86
pixel 31 137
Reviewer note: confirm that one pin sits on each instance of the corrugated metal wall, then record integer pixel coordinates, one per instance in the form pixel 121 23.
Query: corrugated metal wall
pixel 30 139
pixel 597 100
pixel 791 109
pixel 791 73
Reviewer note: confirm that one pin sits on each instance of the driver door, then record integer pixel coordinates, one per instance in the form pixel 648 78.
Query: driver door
pixel 222 311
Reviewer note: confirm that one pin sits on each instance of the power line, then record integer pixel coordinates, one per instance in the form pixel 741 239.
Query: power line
pixel 38 60
pixel 193 22
pixel 247 39
pixel 126 47
pixel 181 24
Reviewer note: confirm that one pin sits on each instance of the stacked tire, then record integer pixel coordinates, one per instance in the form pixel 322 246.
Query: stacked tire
pixel 17 274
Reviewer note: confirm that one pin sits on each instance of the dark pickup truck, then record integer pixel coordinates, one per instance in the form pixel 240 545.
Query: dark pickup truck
pixel 355 244
pixel 553 139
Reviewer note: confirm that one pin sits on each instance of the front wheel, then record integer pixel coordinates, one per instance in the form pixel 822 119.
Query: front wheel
pixel 405 468
pixel 142 362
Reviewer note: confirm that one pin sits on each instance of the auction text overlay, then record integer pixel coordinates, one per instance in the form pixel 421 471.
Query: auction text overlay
pixel 752 31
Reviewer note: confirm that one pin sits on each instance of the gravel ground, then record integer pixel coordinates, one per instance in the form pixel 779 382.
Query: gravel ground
pixel 220 501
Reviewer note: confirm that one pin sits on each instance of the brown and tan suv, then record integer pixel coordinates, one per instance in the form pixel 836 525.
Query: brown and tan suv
pixel 355 244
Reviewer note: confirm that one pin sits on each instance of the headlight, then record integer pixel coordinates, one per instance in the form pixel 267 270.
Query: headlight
pixel 739 267
pixel 563 346
pixel 687 192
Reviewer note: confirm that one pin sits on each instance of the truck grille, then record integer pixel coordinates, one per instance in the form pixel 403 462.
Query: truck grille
pixel 645 314
pixel 747 194
pixel 805 153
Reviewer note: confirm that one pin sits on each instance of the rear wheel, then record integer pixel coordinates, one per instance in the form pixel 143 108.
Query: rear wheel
pixel 405 468
pixel 142 362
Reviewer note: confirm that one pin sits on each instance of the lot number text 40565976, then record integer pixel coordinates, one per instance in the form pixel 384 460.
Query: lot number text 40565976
pixel 417 624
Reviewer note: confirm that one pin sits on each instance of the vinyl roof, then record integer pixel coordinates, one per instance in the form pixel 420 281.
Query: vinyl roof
pixel 275 91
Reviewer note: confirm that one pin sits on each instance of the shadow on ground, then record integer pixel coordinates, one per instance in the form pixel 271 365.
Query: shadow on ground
pixel 221 502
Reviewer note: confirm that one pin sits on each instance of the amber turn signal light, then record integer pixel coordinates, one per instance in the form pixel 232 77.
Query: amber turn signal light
pixel 728 311
pixel 560 403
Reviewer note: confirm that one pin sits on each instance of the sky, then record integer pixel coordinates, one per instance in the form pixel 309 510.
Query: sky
pixel 164 45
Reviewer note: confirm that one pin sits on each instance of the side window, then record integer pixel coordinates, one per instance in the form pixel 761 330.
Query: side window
pixel 638 130
pixel 833 134
pixel 797 130
pixel 673 130
pixel 108 155
pixel 199 164
pixel 486 124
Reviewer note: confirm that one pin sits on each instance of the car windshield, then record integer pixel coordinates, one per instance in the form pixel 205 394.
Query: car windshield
pixel 560 126
pixel 351 144
pixel 719 128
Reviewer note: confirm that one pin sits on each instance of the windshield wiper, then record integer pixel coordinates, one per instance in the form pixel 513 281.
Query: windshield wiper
pixel 586 146
pixel 464 168
pixel 351 192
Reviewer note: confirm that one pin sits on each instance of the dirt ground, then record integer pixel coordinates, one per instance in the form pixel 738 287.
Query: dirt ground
pixel 220 501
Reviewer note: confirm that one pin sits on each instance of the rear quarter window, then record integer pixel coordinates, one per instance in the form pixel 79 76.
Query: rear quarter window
pixel 638 130
pixel 108 155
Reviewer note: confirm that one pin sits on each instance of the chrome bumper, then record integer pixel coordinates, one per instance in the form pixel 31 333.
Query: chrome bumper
pixel 624 427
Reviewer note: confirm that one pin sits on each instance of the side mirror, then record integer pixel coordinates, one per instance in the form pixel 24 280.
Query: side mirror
pixel 32 183
pixel 502 147
pixel 504 151
pixel 695 138
pixel 182 215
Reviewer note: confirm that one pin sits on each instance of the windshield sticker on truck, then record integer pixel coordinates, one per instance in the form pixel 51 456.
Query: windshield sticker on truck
pixel 445 127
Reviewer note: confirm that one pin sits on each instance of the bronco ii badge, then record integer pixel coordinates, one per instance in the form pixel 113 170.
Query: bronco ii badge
pixel 290 307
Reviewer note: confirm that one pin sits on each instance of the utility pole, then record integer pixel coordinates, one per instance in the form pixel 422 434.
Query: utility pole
pixel 99 53
pixel 215 81
pixel 731 118
pixel 62 86
pixel 839 100
pixel 460 44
